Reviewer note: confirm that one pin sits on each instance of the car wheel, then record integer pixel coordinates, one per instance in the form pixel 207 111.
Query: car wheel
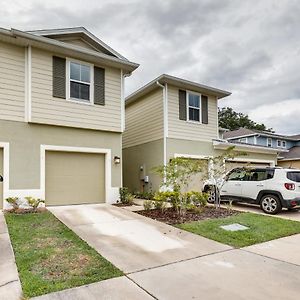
pixel 211 194
pixel 270 204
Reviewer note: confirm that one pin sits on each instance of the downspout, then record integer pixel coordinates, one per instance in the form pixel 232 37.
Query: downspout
pixel 165 118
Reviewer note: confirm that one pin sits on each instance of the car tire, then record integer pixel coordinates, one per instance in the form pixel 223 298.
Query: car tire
pixel 211 190
pixel 270 204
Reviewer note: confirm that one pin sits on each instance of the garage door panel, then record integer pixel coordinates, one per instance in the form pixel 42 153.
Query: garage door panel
pixel 236 164
pixel 74 178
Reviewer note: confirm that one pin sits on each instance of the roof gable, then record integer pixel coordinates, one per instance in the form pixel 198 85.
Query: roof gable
pixel 78 36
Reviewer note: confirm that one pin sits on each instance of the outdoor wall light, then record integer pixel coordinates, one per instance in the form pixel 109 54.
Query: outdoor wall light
pixel 117 160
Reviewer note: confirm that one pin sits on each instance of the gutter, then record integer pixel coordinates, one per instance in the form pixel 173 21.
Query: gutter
pixel 165 130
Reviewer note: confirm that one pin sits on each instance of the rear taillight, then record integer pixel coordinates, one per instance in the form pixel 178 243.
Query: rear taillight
pixel 289 186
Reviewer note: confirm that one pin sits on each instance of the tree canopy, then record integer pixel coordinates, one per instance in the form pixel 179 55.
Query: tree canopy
pixel 232 120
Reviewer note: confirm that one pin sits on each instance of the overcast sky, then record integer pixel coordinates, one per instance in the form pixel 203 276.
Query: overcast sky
pixel 251 48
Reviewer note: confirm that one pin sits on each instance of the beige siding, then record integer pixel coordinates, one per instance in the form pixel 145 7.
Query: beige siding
pixel 187 130
pixel 78 42
pixel 289 164
pixel 56 111
pixel 144 120
pixel 12 82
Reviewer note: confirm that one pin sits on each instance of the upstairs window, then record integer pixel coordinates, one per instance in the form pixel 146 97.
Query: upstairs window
pixel 80 82
pixel 193 105
pixel 269 142
pixel 281 144
pixel 278 143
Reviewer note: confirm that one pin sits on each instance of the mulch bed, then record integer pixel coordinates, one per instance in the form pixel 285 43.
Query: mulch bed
pixel 22 211
pixel 170 216
pixel 123 204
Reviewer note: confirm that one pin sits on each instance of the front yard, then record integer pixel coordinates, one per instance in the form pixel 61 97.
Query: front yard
pixel 50 257
pixel 261 229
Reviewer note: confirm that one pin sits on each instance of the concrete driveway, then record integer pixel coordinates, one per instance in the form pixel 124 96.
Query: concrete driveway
pixel 130 241
pixel 162 262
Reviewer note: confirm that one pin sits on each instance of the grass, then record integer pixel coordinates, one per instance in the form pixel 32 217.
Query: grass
pixel 261 229
pixel 50 257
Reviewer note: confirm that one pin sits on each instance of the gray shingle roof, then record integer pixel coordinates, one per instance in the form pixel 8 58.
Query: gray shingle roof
pixel 293 153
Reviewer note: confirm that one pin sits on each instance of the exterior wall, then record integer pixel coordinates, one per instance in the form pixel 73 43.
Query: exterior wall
pixel 12 82
pixel 148 155
pixel 78 42
pixel 289 164
pixel 190 130
pixel 55 111
pixel 25 142
pixel 144 120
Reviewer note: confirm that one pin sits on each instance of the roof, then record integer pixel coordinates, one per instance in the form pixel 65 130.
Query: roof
pixel 80 32
pixel 293 154
pixel 41 39
pixel 244 132
pixel 178 82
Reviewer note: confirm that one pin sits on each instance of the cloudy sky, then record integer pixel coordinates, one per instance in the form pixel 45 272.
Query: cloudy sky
pixel 251 48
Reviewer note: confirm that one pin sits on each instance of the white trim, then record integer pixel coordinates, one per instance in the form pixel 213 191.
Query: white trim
pixel 5 147
pixel 188 106
pixel 252 160
pixel 28 80
pixel 166 112
pixel 122 103
pixel 68 79
pixel 241 136
pixel 268 139
pixel 110 192
pixel 255 140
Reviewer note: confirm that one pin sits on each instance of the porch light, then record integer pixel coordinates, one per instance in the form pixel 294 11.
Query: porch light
pixel 117 160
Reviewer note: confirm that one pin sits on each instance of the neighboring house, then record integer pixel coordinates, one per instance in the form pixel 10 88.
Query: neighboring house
pixel 172 117
pixel 61 116
pixel 288 145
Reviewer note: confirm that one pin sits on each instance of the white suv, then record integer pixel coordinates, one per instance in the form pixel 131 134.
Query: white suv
pixel 271 188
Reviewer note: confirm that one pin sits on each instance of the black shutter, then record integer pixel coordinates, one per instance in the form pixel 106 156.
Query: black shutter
pixel 204 106
pixel 59 77
pixel 182 105
pixel 99 86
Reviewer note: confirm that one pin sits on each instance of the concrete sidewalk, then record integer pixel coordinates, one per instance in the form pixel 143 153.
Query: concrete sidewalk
pixel 10 286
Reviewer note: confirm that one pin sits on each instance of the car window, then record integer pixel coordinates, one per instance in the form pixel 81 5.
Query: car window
pixel 238 175
pixel 294 176
pixel 259 175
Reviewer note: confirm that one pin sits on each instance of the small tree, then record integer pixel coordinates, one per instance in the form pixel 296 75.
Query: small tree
pixel 176 175
pixel 217 170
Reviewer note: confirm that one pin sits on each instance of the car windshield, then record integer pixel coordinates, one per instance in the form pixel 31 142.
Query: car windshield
pixel 294 176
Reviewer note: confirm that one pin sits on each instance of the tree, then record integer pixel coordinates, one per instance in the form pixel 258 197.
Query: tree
pixel 232 120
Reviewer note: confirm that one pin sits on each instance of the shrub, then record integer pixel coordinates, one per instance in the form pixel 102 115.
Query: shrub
pixel 199 199
pixel 144 195
pixel 34 202
pixel 148 204
pixel 14 201
pixel 159 204
pixel 123 191
pixel 168 196
pixel 129 198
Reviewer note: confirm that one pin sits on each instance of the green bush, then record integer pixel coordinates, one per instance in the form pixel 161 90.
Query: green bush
pixel 125 196
pixel 14 201
pixel 148 204
pixel 168 196
pixel 144 195
pixel 199 199
pixel 34 202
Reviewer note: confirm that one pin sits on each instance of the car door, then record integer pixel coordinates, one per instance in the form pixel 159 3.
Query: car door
pixel 232 188
pixel 255 181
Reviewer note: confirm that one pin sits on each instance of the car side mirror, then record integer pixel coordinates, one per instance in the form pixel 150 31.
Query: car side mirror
pixel 1 178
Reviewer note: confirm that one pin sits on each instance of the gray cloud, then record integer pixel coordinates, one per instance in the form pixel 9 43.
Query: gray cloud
pixel 250 50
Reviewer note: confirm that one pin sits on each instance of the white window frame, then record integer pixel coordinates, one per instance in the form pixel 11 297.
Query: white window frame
pixel 283 146
pixel 188 106
pixel 68 85
pixel 279 143
pixel 271 143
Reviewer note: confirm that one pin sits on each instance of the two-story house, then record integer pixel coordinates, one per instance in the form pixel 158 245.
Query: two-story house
pixel 288 145
pixel 62 116
pixel 172 117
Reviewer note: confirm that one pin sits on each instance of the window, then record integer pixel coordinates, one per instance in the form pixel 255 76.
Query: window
pixel 259 175
pixel 193 105
pixel 294 176
pixel 80 79
pixel 269 142
pixel 281 144
pixel 237 175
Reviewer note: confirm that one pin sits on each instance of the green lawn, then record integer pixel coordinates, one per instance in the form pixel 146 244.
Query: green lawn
pixel 50 257
pixel 261 229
